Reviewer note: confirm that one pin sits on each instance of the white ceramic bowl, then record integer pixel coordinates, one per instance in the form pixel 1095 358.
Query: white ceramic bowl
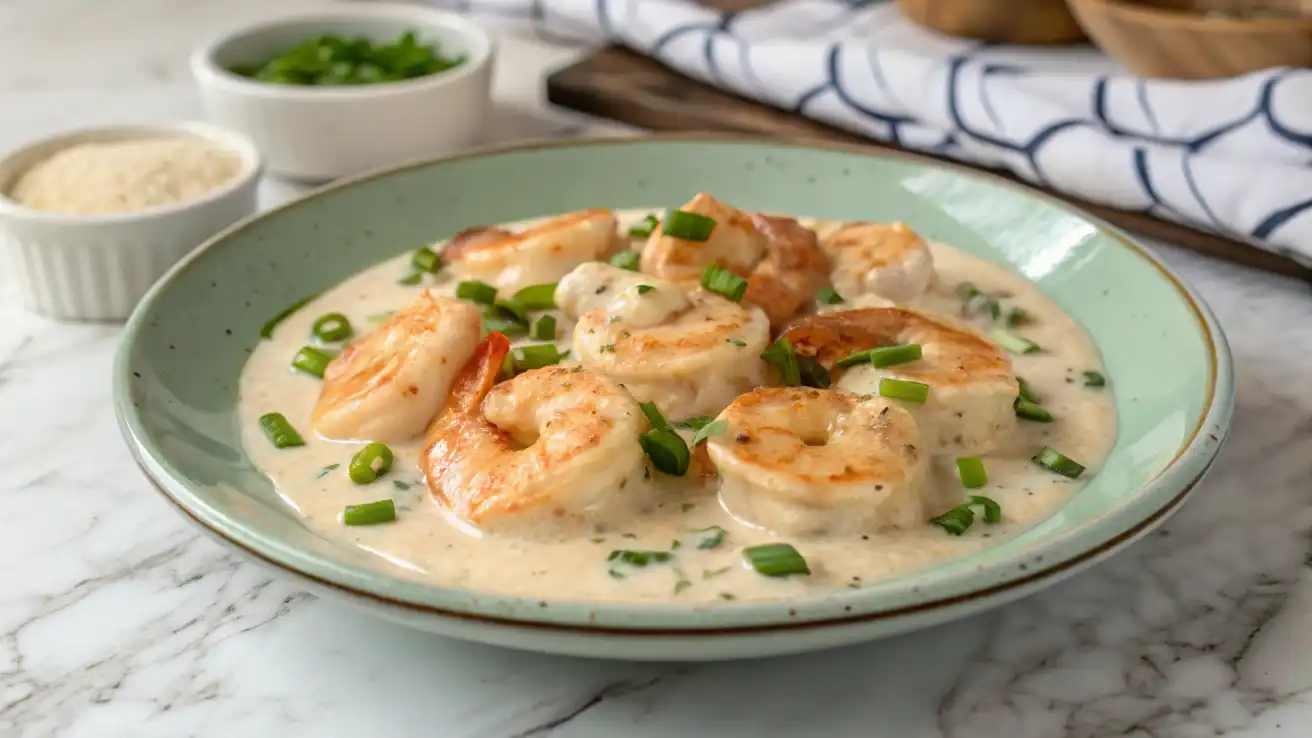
pixel 322 133
pixel 96 267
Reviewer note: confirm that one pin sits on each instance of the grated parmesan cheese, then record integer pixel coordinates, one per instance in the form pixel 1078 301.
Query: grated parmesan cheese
pixel 125 176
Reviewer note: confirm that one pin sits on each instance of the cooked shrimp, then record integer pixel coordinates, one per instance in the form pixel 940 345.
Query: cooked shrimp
pixel 690 353
pixel 552 447
pixel 801 461
pixel 388 384
pixel 889 260
pixel 538 255
pixel 779 258
pixel 972 387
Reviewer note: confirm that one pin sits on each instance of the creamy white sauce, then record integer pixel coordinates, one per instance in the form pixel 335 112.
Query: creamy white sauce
pixel 427 544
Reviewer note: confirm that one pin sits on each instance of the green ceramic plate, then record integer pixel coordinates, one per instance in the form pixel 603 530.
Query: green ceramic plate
pixel 177 370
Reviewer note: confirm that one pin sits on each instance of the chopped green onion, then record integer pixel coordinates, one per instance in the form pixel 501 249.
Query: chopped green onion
pixel 332 327
pixel 959 519
pixel 426 260
pixel 280 431
pixel 894 355
pixel 412 278
pixel 900 389
pixel 776 560
pixel 1013 343
pixel 475 291
pixel 716 428
pixel 495 323
pixel 667 451
pixel 370 463
pixel 537 297
pixel 1027 392
pixel 1050 458
pixel 1032 411
pixel 324 471
pixel 644 289
pixel 370 513
pixel 860 357
pixel 992 510
pixel 736 341
pixel 544 329
pixel 1094 379
pixel 966 291
pixel 1017 317
pixel 536 357
pixel 712 573
pixel 639 558
pixel 645 228
pixel 710 537
pixel 723 282
pixel 626 260
pixel 380 317
pixel 267 330
pixel 508 365
pixel 955 521
pixel 511 310
pixel 971 470
pixel 829 296
pixel 312 361
pixel 812 373
pixel 687 226
pixel 654 415
pixel 695 423
pixel 780 354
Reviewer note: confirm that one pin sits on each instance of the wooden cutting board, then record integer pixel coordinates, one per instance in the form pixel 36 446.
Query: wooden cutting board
pixel 621 85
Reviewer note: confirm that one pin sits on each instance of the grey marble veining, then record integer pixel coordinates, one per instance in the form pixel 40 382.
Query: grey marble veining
pixel 117 619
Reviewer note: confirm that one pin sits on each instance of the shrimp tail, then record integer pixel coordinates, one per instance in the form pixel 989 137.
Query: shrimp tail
pixel 480 373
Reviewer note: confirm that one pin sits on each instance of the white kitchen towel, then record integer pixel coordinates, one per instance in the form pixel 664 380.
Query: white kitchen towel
pixel 1233 156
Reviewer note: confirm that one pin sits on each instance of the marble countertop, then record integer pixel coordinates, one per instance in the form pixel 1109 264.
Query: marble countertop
pixel 118 619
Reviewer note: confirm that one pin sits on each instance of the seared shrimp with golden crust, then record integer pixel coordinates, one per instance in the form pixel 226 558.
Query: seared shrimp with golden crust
pixel 889 260
pixel 388 384
pixel 803 461
pixel 552 448
pixel 690 352
pixel 972 389
pixel 537 255
pixel 780 259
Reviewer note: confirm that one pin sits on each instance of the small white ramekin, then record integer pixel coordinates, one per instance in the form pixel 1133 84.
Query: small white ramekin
pixel 96 267
pixel 321 133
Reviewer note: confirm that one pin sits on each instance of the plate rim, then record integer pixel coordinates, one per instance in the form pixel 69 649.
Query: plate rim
pixel 1190 463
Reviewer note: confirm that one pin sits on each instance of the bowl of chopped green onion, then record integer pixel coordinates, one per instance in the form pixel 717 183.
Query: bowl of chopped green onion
pixel 336 92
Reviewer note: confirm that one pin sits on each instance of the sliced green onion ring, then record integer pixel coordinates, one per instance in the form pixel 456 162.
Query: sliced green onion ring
pixel 971 471
pixel 776 560
pixel 476 291
pixel 713 428
pixel 370 513
pixel 667 451
pixel 901 389
pixel 1053 460
pixel 1094 379
pixel 332 328
pixel 1013 343
pixel 829 296
pixel 536 356
pixel 1032 411
pixel 544 329
pixel 723 282
pixel 537 297
pixel 312 361
pixel 893 355
pixel 426 260
pixel 370 463
pixel 280 431
pixel 645 227
pixel 687 226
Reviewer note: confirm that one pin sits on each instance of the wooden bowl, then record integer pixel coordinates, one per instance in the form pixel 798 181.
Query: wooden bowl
pixel 1199 39
pixel 1001 21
